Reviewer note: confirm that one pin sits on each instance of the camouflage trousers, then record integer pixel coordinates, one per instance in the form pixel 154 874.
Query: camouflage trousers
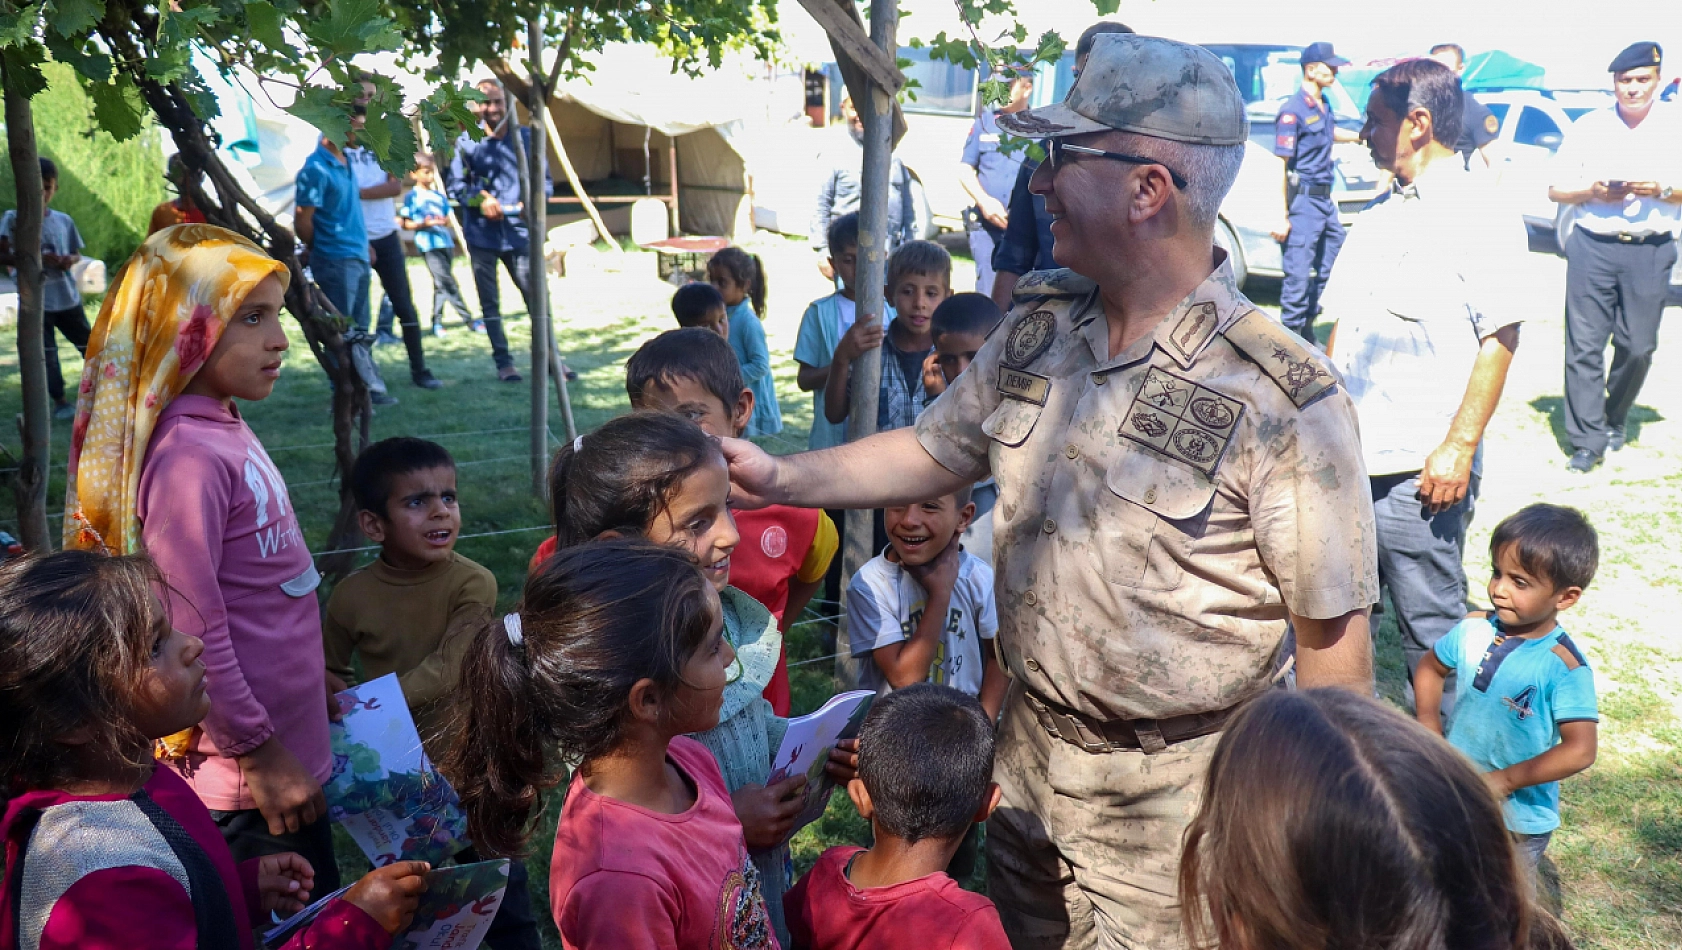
pixel 1084 849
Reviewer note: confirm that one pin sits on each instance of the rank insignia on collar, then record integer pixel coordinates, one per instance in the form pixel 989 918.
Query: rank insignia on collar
pixel 1029 338
pixel 1195 327
pixel 1176 417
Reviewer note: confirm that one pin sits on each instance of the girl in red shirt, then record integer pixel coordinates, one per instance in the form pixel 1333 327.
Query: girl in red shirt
pixel 104 849
pixel 616 651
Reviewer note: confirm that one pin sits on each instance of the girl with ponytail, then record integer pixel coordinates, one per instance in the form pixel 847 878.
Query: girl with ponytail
pixel 740 278
pixel 616 652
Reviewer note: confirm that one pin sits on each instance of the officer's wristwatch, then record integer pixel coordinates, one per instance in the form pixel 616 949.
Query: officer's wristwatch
pixel 1666 193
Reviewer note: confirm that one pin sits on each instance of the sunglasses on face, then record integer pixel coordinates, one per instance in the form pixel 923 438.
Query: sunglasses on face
pixel 1057 151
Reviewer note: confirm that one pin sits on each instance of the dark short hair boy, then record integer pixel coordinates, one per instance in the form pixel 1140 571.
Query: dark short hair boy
pixel 694 302
pixel 926 758
pixel 379 464
pixel 1552 541
pixel 690 353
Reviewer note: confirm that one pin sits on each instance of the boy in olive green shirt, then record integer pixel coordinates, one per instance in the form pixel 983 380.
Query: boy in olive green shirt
pixel 414 610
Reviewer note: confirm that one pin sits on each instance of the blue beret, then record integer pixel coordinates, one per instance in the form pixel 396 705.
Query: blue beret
pixel 1637 55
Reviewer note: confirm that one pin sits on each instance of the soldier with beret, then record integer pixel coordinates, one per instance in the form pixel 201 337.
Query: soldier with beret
pixel 1622 167
pixel 1180 478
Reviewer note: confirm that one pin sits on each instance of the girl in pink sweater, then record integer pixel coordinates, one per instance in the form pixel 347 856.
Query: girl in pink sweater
pixel 103 848
pixel 162 462
pixel 616 652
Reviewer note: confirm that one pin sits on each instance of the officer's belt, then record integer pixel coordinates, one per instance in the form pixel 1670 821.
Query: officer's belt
pixel 1120 735
pixel 1621 237
pixel 1315 191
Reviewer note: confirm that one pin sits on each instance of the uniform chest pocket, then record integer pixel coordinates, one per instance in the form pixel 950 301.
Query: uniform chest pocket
pixel 1011 423
pixel 1147 520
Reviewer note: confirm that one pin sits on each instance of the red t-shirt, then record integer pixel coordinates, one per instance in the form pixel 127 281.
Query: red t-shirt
pixel 826 912
pixel 624 876
pixel 775 542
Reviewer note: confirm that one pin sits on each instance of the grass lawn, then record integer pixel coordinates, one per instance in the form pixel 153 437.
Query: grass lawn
pixel 1615 863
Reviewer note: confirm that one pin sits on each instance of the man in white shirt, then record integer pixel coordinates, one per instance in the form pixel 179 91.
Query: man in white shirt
pixel 1423 339
pixel 379 216
pixel 1622 168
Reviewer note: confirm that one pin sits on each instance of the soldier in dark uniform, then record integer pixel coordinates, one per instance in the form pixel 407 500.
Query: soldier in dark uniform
pixel 1312 235
pixel 1478 125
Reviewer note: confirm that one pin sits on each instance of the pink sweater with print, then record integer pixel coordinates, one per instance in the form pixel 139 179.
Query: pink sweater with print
pixel 216 518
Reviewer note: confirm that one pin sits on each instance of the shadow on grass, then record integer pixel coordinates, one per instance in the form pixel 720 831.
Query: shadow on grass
pixel 1554 408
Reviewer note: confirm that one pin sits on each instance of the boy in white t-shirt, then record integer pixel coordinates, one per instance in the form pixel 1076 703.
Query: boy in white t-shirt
pixel 922 610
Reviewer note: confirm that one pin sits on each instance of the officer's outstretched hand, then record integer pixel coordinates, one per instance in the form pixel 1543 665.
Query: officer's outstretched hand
pixel 753 473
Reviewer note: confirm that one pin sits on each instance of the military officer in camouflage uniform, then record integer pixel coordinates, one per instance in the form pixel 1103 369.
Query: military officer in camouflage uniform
pixel 1179 475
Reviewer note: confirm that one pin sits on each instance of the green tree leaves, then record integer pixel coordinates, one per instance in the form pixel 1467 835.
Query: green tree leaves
pixel 326 109
pixel 117 107
pixel 350 27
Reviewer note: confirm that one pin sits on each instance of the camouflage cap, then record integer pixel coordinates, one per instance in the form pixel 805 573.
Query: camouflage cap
pixel 1148 85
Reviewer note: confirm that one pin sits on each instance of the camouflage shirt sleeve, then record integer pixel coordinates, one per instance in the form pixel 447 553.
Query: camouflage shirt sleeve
pixel 950 428
pixel 1311 508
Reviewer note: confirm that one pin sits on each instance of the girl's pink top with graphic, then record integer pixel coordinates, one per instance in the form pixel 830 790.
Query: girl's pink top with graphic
pixel 216 518
pixel 626 877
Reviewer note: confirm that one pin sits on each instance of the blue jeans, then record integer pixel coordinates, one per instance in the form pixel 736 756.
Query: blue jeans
pixel 345 282
pixel 1420 561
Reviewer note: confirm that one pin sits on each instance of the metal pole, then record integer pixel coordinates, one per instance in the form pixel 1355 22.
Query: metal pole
pixel 876 111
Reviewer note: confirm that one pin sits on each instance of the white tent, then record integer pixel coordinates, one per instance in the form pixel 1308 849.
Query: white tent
pixel 620 126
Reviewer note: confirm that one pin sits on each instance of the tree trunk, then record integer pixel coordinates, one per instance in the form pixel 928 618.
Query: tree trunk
pixel 35 424
pixel 875 107
pixel 537 230
pixel 233 209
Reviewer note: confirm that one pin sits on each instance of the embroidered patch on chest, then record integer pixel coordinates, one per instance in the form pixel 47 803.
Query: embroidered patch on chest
pixel 1029 338
pixel 1178 418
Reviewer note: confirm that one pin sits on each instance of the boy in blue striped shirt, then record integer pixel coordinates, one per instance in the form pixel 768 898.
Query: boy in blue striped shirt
pixel 1525 710
pixel 426 212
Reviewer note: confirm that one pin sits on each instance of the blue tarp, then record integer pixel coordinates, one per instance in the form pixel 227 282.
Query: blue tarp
pixel 1500 70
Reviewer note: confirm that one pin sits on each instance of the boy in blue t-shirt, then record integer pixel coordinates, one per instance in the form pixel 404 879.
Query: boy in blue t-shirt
pixel 1525 711
pixel 426 212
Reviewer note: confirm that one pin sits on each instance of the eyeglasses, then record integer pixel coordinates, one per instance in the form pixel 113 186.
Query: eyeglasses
pixel 1055 146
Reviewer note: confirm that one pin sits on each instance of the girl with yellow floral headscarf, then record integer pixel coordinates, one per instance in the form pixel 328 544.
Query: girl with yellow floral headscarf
pixel 162 462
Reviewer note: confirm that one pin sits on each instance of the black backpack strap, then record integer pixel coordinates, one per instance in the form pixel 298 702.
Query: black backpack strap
pixel 213 913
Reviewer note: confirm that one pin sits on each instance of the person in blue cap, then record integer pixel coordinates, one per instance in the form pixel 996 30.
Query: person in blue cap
pixel 1619 166
pixel 1303 135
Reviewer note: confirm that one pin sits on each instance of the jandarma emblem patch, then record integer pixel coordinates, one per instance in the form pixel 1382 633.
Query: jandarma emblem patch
pixel 1030 338
pixel 1178 418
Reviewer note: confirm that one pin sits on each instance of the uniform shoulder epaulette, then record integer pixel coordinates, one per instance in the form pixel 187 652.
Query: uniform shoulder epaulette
pixel 1061 282
pixel 1282 355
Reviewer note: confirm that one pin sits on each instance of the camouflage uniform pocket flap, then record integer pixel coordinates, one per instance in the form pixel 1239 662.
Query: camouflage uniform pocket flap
pixel 1170 491
pixel 1011 423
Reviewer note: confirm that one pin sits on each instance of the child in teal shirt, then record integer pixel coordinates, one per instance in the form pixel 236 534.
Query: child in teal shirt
pixel 740 278
pixel 1525 710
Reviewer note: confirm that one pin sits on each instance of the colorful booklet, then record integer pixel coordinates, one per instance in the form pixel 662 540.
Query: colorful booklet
pixel 808 741
pixel 384 790
pixel 455 913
